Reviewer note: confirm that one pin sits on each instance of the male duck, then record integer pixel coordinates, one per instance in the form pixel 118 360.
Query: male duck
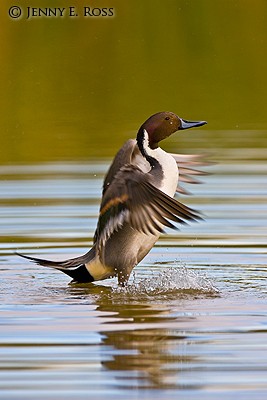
pixel 137 203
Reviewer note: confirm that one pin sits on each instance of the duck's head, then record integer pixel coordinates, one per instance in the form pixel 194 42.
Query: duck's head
pixel 161 125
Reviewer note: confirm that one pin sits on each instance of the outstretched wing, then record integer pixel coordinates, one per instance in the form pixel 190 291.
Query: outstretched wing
pixel 188 165
pixel 123 157
pixel 131 198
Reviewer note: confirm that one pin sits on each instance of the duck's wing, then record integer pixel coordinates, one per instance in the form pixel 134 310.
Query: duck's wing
pixel 188 165
pixel 131 198
pixel 123 157
pixel 74 267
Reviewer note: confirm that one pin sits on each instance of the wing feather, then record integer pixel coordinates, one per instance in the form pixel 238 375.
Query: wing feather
pixel 132 198
pixel 188 168
pixel 123 157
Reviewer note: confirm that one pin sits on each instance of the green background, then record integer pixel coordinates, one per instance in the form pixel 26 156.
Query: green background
pixel 76 88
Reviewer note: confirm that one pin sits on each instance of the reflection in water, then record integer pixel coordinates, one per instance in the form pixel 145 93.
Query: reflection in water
pixel 150 353
pixel 111 342
pixel 155 355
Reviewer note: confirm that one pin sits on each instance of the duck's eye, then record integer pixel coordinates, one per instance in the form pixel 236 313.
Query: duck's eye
pixel 167 118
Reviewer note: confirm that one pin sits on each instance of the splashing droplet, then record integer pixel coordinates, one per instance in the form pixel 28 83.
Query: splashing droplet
pixel 169 282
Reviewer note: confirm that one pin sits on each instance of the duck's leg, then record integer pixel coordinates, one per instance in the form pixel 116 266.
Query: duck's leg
pixel 124 275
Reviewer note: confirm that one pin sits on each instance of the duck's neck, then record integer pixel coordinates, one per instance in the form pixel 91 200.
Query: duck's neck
pixel 146 151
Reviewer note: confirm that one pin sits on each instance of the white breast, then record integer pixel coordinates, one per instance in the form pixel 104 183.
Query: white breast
pixel 170 170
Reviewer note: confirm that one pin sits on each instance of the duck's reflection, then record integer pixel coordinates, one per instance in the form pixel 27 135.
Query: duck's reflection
pixel 151 346
pixel 155 355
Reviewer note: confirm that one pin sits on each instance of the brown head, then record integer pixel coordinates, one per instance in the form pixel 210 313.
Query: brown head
pixel 161 125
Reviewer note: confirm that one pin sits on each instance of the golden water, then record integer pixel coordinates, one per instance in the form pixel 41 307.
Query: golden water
pixel 191 323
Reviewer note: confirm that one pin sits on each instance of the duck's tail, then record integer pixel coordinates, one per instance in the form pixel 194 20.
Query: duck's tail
pixel 73 267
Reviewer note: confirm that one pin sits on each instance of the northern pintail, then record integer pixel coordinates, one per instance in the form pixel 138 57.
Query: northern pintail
pixel 137 203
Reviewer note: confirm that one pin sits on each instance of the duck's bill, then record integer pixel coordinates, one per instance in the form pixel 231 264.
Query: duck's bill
pixel 191 124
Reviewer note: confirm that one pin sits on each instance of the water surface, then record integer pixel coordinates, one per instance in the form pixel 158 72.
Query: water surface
pixel 192 321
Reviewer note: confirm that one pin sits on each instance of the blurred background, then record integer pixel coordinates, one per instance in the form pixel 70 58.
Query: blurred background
pixel 73 89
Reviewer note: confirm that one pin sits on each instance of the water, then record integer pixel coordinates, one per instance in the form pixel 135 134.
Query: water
pixel 192 322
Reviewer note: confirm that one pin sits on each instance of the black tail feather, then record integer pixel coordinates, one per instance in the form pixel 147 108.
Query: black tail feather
pixel 70 263
pixel 43 262
pixel 73 267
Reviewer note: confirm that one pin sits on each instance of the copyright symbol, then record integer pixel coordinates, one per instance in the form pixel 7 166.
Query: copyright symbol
pixel 15 12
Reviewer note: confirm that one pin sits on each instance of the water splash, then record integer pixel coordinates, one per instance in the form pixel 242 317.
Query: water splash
pixel 169 282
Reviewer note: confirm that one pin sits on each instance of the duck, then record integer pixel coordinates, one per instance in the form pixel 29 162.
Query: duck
pixel 137 203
